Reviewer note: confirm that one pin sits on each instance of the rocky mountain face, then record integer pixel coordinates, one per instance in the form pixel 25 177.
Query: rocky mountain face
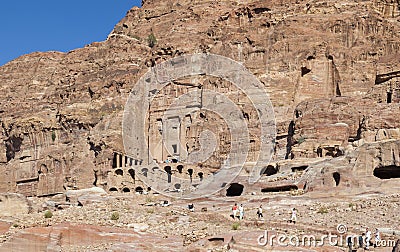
pixel 331 70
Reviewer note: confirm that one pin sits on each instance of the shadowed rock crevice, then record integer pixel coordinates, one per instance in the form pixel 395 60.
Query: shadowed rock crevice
pixel 282 188
pixel 13 145
pixel 299 168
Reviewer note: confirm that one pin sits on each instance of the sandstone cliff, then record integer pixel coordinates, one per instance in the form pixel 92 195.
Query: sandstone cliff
pixel 331 70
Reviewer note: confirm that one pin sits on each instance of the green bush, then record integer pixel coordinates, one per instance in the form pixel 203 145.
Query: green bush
pixel 48 214
pixel 115 216
pixel 151 39
pixel 323 210
pixel 149 199
pixel 235 226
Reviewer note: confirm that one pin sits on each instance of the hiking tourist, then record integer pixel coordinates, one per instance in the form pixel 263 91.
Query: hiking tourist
pixel 241 212
pixel 260 212
pixel 234 211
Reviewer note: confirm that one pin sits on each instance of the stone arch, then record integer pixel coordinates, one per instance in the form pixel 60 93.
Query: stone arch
pixel 235 189
pixel 168 170
pixel 190 172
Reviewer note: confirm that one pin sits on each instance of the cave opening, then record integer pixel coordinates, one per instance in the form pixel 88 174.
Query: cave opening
pixel 299 168
pixel 304 71
pixel 119 172
pixel 113 189
pixel 132 173
pixel 336 177
pixel 190 172
pixel 126 190
pixel 389 97
pixel 283 188
pixel 139 189
pixel 168 170
pixel 175 148
pixel 180 168
pixel 387 172
pixel 269 170
pixel 235 189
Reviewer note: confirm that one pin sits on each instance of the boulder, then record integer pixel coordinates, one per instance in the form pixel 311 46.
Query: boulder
pixel 12 204
pixel 86 195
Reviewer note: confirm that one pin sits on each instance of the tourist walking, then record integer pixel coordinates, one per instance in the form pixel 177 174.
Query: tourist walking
pixel 361 240
pixel 377 238
pixel 241 212
pixel 294 216
pixel 350 243
pixel 234 211
pixel 368 235
pixel 260 212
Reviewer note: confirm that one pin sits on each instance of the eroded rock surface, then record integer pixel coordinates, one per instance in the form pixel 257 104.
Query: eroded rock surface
pixel 331 70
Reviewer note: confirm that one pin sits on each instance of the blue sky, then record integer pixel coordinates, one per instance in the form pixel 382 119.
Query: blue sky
pixel 52 25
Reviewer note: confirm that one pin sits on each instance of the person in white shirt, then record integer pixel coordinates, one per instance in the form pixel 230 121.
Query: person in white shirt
pixel 241 212
pixel 260 212
pixel 367 238
pixel 377 237
pixel 294 216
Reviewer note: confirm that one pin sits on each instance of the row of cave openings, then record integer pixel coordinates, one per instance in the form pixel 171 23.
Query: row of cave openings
pixel 137 189
pixel 236 189
pixel 167 169
pixel 127 162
